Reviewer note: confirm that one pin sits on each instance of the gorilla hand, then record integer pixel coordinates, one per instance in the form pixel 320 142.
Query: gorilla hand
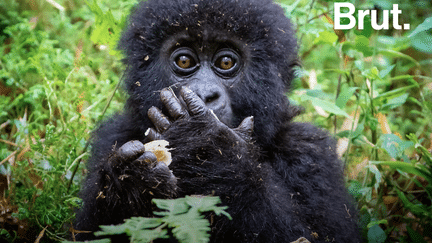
pixel 131 162
pixel 195 109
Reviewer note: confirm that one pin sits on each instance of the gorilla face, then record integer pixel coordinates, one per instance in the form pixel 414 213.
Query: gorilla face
pixel 209 67
pixel 232 54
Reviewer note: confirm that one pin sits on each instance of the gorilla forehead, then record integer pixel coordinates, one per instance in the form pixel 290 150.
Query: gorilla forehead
pixel 260 24
pixel 244 17
pixel 206 40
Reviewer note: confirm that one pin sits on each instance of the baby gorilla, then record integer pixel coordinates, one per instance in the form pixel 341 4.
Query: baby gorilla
pixel 210 77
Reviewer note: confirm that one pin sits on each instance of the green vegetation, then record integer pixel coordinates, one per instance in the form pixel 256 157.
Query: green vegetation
pixel 371 89
pixel 183 216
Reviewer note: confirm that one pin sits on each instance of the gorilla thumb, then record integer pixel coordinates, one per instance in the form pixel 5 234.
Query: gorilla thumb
pixel 245 129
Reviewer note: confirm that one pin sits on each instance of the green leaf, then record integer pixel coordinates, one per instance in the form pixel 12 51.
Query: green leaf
pixel 376 234
pixel 182 215
pixel 378 177
pixel 386 71
pixel 139 229
pixel 394 43
pixel 415 101
pixel 190 226
pixel 172 206
pixel 377 222
pixel 344 96
pixel 355 134
pixel 329 107
pixel 394 145
pixel 192 229
pixel 404 76
pixel 374 71
pixel 326 37
pixel 395 102
pixel 415 236
pixel 426 155
pixel 426 25
pixel 316 93
pixel 406 167
pixel 392 53
pixel 206 204
pixel 422 42
pixel 203 204
pixel 417 209
pixel 362 45
pixel 354 189
pixel 289 8
pixel 392 94
pixel 107 29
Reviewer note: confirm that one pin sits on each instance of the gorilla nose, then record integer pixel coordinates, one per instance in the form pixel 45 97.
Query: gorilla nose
pixel 210 98
pixel 211 94
pixel 215 98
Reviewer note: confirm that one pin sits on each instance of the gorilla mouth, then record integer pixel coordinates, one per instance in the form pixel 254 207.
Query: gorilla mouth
pixel 215 102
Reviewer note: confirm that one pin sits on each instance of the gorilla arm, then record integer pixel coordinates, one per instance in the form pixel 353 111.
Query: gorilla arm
pixel 209 158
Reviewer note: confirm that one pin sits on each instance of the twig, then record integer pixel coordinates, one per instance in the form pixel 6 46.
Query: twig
pixel 10 143
pixel 56 5
pixel 10 156
pixel 3 125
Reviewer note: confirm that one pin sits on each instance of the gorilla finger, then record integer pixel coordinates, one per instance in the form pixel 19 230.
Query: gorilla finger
pixel 246 127
pixel 147 158
pixel 172 103
pixel 131 150
pixel 159 120
pixel 194 103
pixel 153 135
pixel 162 169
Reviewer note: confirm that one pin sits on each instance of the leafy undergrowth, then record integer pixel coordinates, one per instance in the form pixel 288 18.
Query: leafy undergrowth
pixel 183 217
pixel 371 89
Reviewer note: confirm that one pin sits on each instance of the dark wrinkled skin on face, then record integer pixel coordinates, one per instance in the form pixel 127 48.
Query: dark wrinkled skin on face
pixel 211 78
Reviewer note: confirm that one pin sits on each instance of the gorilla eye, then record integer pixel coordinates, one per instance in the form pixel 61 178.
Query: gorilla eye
pixel 225 63
pixel 184 61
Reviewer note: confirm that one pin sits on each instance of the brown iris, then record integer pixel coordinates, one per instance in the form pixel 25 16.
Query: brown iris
pixel 225 63
pixel 185 62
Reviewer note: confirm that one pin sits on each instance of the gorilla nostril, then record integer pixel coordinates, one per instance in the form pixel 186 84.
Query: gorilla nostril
pixel 211 98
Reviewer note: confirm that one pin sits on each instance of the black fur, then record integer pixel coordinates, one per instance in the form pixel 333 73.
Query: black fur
pixel 286 185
